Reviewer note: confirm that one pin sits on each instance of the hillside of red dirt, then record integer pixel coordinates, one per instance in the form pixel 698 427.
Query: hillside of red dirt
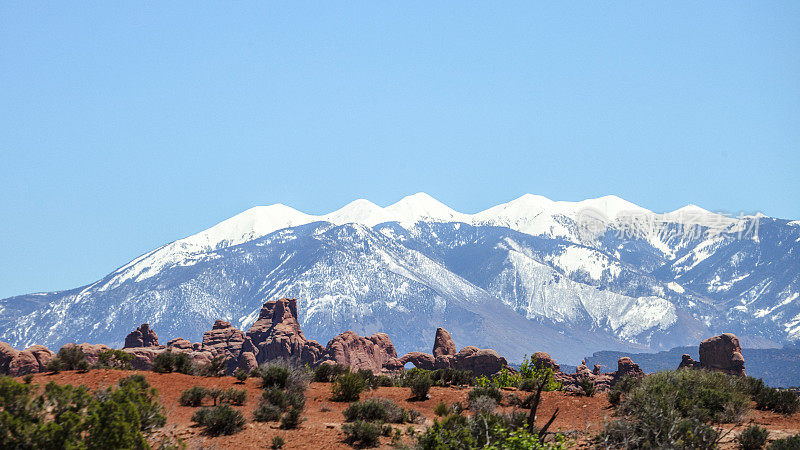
pixel 579 417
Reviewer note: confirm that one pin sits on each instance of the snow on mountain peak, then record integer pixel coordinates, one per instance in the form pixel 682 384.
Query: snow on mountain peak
pixel 414 208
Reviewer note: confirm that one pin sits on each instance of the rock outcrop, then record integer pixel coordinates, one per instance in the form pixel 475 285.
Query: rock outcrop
pixel 33 359
pixel 277 334
pixel 370 353
pixel 719 353
pixel 443 344
pixel 144 336
pixel 479 361
pixel 90 351
pixel 723 354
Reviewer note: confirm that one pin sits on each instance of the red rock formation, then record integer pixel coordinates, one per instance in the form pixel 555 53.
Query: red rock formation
pixel 626 367
pixel 34 359
pixel 479 361
pixel 358 352
pixel 722 353
pixel 421 360
pixel 7 354
pixel 144 336
pixel 687 362
pixel 443 344
pixel 277 334
pixel 543 359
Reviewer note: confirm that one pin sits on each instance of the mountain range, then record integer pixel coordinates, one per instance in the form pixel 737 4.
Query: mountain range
pixel 570 278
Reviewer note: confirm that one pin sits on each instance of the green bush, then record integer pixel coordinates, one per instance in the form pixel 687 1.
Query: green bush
pixel 376 409
pixel 114 359
pixel 241 376
pixel 452 377
pixel 673 409
pixel 219 420
pixel 193 396
pixel 169 361
pixel 347 387
pixel 420 387
pixel 215 394
pixel 326 372
pixel 532 373
pixel 441 409
pixel 69 358
pixel 587 386
pixel 274 375
pixel 361 433
pixel 234 396
pixel 753 437
pixel 275 396
pixel 451 432
pixel 277 443
pixel 490 391
pixel 779 401
pixel 65 416
pixel 787 443
pixel 291 419
pixel 267 412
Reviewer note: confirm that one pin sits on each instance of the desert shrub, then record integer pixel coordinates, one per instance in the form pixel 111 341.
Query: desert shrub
pixel 620 388
pixel 241 376
pixel 420 386
pixel 451 432
pixel 532 373
pixel 414 416
pixel 277 443
pixel 214 394
pixel 375 409
pixel 587 386
pixel 361 433
pixel 28 378
pixel 219 420
pixel 490 391
pixel 324 373
pixel 114 359
pixel 347 387
pixel 441 409
pixel 753 437
pixel 214 368
pixel 779 401
pixel 233 396
pixel 521 439
pixel 506 378
pixel 169 361
pixel 291 419
pixel 267 412
pixel 274 375
pixel 787 443
pixel 483 405
pixel 65 416
pixel 276 397
pixel 69 358
pixel 193 396
pixel 382 381
pixel 456 408
pixel 672 410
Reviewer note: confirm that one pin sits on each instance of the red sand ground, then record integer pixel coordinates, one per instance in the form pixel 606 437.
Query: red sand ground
pixel 579 416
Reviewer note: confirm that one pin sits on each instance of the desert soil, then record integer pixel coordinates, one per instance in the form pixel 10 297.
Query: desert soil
pixel 579 417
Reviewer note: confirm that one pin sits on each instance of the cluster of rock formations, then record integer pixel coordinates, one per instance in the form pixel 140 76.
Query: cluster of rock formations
pixel 277 334
pixel 479 361
pixel 720 353
pixel 602 381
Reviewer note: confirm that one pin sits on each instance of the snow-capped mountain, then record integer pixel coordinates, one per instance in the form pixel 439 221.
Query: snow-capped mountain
pixel 532 274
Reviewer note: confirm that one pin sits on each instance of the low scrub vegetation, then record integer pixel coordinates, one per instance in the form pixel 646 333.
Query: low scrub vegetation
pixel 362 433
pixel 193 396
pixel 114 359
pixel 169 361
pixel 69 358
pixel 787 443
pixel 781 401
pixel 674 409
pixel 65 416
pixel 753 437
pixel 348 387
pixel 377 409
pixel 219 420
pixel 283 399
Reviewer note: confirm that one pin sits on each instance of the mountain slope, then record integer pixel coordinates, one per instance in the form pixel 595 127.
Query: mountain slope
pixel 531 274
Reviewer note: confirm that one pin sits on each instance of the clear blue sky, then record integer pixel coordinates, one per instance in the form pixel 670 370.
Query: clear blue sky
pixel 126 125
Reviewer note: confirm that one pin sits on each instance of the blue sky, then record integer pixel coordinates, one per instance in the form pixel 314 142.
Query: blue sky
pixel 124 126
